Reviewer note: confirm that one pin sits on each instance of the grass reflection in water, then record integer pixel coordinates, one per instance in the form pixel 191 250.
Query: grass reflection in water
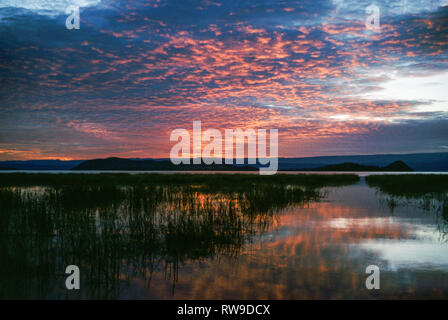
pixel 426 191
pixel 118 226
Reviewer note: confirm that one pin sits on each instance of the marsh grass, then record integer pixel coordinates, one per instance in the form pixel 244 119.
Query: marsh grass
pixel 410 185
pixel 118 226
pixel 426 191
pixel 209 182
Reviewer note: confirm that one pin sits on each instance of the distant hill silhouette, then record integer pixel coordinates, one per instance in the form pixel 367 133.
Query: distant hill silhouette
pixel 158 165
pixel 397 166
pixel 149 165
pixel 418 162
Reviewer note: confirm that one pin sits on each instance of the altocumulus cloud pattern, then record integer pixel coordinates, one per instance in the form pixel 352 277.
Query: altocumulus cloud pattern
pixel 135 70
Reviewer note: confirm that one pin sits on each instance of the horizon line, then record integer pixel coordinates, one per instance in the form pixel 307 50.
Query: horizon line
pixel 280 157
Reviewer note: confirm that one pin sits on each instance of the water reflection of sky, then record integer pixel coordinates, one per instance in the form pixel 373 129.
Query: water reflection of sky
pixel 411 236
pixel 320 251
pixel 211 245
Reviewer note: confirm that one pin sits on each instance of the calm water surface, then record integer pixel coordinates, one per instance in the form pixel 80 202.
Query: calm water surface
pixel 320 251
pixel 188 244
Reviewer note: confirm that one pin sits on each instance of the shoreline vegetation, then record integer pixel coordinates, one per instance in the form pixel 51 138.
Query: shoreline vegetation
pixel 427 191
pixel 410 185
pixel 212 181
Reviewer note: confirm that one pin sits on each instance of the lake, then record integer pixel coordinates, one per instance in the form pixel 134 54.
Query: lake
pixel 188 242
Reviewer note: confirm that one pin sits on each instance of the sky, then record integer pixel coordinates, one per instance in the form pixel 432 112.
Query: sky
pixel 136 70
